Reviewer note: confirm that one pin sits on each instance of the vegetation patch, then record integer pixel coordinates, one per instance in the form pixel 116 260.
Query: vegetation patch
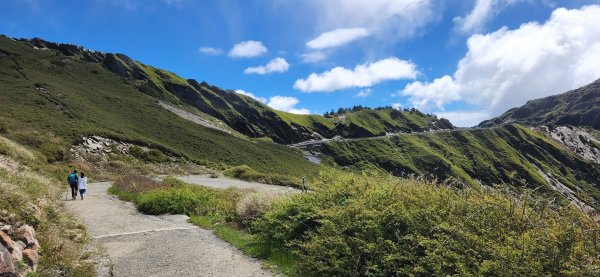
pixel 245 172
pixel 33 197
pixel 505 155
pixel 355 225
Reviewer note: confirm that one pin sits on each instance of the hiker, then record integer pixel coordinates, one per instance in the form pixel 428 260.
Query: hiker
pixel 72 179
pixel 303 184
pixel 82 184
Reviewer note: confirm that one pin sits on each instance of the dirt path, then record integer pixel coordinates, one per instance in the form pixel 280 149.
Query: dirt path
pixel 225 183
pixel 144 245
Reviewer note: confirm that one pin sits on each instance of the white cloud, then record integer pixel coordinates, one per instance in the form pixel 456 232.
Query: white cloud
pixel 437 93
pixel 397 106
pixel 210 51
pixel 248 49
pixel 385 19
pixel 464 119
pixel 482 12
pixel 286 104
pixel 506 68
pixel 363 75
pixel 313 57
pixel 276 65
pixel 337 37
pixel 364 93
pixel 251 95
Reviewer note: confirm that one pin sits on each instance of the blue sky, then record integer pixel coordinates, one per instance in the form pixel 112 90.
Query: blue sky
pixel 464 60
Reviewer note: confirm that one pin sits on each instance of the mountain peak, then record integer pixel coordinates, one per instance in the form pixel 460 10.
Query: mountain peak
pixel 578 107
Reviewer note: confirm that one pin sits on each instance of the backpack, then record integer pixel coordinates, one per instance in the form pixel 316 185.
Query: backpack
pixel 72 178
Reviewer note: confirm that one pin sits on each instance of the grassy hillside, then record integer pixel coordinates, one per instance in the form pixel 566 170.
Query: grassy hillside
pixel 31 193
pixel 242 113
pixel 509 155
pixel 579 107
pixel 50 100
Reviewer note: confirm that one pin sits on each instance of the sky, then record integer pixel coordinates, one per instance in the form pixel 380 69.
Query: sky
pixel 463 60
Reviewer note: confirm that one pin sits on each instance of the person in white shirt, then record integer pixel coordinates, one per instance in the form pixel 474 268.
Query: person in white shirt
pixel 82 184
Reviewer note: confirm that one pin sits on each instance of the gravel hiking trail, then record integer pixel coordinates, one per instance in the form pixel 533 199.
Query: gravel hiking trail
pixel 225 183
pixel 145 245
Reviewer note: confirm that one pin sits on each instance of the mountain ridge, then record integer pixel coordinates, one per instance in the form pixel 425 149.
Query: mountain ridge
pixel 578 107
pixel 242 113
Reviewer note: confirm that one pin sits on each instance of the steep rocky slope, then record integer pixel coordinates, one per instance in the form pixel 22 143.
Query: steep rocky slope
pixel 579 107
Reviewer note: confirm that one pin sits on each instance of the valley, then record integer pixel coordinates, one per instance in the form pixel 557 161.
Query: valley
pixel 190 177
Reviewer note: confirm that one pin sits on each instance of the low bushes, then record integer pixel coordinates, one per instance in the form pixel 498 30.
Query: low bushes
pixel 152 155
pixel 188 200
pixel 172 196
pixel 252 206
pixel 245 172
pixel 360 225
pixel 380 226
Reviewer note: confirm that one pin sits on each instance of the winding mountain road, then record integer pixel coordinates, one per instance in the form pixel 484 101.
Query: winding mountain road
pixel 340 139
pixel 145 245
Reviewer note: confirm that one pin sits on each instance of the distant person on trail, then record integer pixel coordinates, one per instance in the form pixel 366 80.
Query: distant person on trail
pixel 72 179
pixel 82 184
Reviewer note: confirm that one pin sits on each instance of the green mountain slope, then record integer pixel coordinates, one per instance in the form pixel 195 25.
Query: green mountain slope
pixel 50 100
pixel 512 155
pixel 242 113
pixel 579 107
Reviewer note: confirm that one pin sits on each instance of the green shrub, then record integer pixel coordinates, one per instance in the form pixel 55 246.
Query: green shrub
pixel 189 200
pixel 245 172
pixel 152 155
pixel 137 152
pixel 237 171
pixel 53 152
pixel 170 201
pixel 156 156
pixel 382 226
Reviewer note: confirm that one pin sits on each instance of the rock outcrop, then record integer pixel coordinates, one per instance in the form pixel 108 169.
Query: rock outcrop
pixel 96 148
pixel 18 247
pixel 577 140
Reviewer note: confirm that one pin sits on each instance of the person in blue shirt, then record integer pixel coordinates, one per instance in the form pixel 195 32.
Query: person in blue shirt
pixel 73 182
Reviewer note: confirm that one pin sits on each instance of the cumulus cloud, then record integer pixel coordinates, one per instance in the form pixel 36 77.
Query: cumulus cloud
pixel 276 65
pixel 210 51
pixel 337 37
pixel 251 95
pixel 248 49
pixel 363 75
pixel 386 19
pixel 286 104
pixel 482 12
pixel 313 57
pixel 464 119
pixel 505 68
pixel 397 106
pixel 435 94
